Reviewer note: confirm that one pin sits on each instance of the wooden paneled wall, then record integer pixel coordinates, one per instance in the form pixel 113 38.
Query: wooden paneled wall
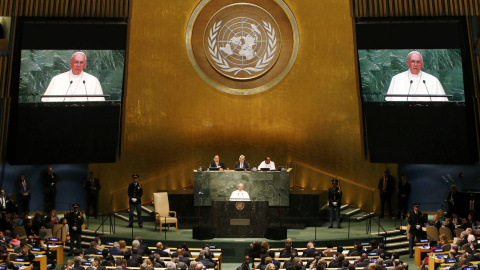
pixel 415 8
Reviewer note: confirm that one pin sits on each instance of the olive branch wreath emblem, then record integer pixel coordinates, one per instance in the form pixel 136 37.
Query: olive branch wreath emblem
pixel 261 63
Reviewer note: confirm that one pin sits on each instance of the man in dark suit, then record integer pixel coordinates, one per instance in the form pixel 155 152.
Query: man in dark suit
pixel 3 201
pixel 23 188
pixel 92 249
pixel 160 250
pixel 246 264
pixel 135 259
pixel 310 251
pixel 12 205
pixel 242 164
pixel 75 222
pixel 386 186
pixel 452 200
pixel 416 221
pixel 180 253
pixel 334 202
pixel 135 192
pixel 217 163
pixel 92 187
pixel 404 189
pixel 49 180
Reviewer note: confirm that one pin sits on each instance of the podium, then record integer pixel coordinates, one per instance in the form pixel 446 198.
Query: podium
pixel 239 219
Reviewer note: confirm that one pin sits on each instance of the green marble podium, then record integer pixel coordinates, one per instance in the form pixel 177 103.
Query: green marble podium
pixel 272 186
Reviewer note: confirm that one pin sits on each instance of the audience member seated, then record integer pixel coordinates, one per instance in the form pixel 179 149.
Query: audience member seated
pixel 93 248
pixel 265 248
pixel 271 254
pixel 373 246
pixel 310 251
pixel 287 252
pixel 337 262
pixel 122 245
pixel 436 222
pixel 357 250
pixel 115 250
pixel 363 261
pixel 160 250
pixel 206 262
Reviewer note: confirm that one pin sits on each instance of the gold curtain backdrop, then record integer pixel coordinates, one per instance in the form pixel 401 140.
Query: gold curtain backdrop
pixel 174 121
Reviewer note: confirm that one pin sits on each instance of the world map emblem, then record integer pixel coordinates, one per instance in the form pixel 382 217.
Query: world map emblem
pixel 242 47
pixel 242 41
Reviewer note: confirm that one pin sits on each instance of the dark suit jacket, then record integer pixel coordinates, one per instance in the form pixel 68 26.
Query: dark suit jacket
pixel 245 165
pixel 162 253
pixel 309 252
pixel 135 260
pixel 19 188
pixel 47 181
pixel 12 206
pixel 91 251
pixel 135 192
pixel 404 190
pixel 214 165
pixel 185 260
pixel 390 185
pixel 88 184
pixel 115 251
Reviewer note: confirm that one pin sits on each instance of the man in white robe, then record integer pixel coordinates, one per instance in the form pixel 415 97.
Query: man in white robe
pixel 415 82
pixel 267 163
pixel 74 82
pixel 239 194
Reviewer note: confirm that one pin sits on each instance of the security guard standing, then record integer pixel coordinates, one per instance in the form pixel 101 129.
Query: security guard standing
pixel 75 222
pixel 334 202
pixel 416 220
pixel 135 192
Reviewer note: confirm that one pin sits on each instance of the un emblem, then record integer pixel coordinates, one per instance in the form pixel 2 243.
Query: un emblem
pixel 241 48
pixel 242 41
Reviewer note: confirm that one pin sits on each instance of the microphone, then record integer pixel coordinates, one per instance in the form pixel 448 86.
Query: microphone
pixel 85 89
pixel 411 81
pixel 427 89
pixel 68 90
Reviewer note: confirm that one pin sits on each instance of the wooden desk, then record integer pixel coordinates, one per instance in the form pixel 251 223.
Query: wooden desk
pixel 58 250
pixel 419 251
pixel 43 261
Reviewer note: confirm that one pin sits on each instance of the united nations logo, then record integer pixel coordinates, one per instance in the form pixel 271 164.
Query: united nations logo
pixel 239 205
pixel 239 47
pixel 242 41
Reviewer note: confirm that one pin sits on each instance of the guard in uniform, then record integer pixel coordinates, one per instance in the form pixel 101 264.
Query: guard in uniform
pixel 334 202
pixel 416 220
pixel 135 192
pixel 75 222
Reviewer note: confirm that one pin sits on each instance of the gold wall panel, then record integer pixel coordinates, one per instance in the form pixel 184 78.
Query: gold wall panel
pixel 173 119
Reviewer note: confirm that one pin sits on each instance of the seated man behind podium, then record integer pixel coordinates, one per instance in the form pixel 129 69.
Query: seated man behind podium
pixel 415 82
pixel 239 194
pixel 74 82
pixel 242 164
pixel 217 163
pixel 267 163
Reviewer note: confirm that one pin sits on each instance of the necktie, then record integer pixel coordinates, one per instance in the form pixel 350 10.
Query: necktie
pixel 241 165
pixel 384 184
pixel 24 186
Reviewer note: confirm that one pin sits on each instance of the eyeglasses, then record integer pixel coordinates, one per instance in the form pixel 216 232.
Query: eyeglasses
pixel 415 62
pixel 78 63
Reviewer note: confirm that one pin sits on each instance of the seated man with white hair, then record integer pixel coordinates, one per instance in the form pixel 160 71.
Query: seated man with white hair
pixel 242 164
pixel 239 194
